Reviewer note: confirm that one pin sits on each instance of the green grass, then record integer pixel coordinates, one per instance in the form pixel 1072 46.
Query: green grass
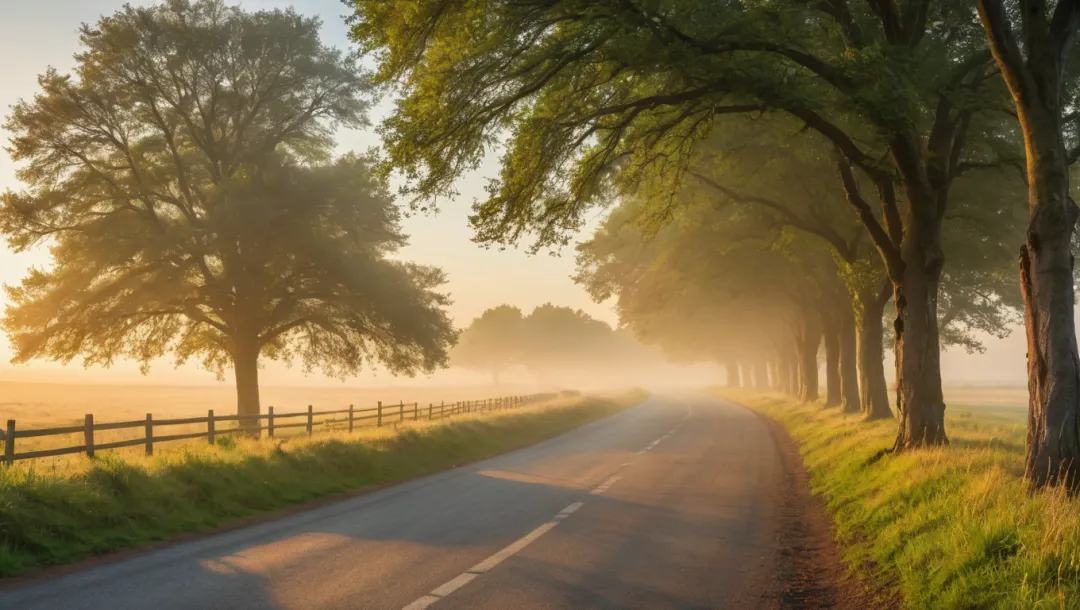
pixel 948 528
pixel 89 507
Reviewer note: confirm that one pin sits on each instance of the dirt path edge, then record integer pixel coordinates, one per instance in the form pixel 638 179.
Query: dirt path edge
pixel 811 570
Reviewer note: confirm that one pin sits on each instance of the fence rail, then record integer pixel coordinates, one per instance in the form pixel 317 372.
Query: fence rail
pixel 269 422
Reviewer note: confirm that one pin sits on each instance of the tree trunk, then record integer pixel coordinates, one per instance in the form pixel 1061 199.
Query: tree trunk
pixel 246 368
pixel 761 376
pixel 733 380
pixel 849 368
pixel 831 339
pixel 794 379
pixel 1046 261
pixel 919 400
pixel 810 341
pixel 783 376
pixel 873 389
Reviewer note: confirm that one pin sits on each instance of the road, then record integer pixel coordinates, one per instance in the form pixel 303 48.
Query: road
pixel 670 504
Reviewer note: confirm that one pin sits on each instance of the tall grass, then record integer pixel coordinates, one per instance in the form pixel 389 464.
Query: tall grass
pixel 949 528
pixel 87 507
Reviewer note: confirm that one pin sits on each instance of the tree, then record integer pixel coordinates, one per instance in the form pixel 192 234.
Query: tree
pixel 181 177
pixel 492 342
pixel 603 97
pixel 1034 64
pixel 560 341
pixel 711 286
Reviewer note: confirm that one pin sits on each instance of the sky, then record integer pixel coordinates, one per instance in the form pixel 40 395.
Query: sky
pixel 36 34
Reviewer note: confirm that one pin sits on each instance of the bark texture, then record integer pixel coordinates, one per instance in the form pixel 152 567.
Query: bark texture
pixel 831 339
pixel 809 342
pixel 920 403
pixel 873 389
pixel 1046 260
pixel 849 368
pixel 246 368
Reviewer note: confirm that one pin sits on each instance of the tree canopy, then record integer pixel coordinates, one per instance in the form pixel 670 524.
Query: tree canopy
pixel 183 177
pixel 492 342
pixel 603 98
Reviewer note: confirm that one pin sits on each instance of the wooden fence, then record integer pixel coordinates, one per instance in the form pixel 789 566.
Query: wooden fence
pixel 269 422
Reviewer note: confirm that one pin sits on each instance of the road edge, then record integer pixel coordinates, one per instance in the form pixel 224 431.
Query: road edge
pixel 39 575
pixel 812 571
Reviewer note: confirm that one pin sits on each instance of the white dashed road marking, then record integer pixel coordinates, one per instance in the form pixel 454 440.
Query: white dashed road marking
pixel 515 547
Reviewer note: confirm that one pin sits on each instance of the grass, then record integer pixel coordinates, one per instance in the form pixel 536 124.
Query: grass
pixel 948 528
pixel 55 515
pixel 48 405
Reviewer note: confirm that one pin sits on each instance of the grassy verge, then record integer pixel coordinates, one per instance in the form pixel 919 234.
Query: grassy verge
pixel 117 501
pixel 949 528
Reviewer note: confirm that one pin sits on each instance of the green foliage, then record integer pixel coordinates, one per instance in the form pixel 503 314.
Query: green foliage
pixel 616 95
pixel 950 528
pixel 492 341
pixel 709 285
pixel 183 178
pixel 557 344
pixel 114 503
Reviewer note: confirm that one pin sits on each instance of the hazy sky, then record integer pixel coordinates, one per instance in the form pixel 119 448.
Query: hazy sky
pixel 35 34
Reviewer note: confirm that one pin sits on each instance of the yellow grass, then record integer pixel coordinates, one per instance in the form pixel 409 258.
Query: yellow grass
pixel 950 528
pixel 45 405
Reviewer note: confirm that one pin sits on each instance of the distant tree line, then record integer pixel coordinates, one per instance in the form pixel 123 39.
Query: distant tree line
pixel 555 344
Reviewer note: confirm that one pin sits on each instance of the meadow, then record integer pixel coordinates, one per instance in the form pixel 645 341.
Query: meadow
pixel 948 528
pixel 47 405
pixel 80 507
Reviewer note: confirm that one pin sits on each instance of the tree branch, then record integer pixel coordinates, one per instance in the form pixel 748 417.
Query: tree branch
pixel 890 254
pixel 823 231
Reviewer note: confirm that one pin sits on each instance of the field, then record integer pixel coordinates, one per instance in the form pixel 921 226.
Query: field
pixel 44 405
pixel 38 405
pixel 948 528
pixel 87 507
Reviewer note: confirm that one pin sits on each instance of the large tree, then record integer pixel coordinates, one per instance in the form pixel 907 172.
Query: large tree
pixel 1032 42
pixel 594 95
pixel 181 176
pixel 561 342
pixel 492 342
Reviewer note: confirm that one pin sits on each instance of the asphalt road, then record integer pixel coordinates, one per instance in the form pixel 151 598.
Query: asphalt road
pixel 670 504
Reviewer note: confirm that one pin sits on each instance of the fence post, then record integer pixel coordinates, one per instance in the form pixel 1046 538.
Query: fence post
pixel 310 414
pixel 415 406
pixel 350 418
pixel 401 411
pixel 9 443
pixel 149 434
pixel 442 409
pixel 270 422
pixel 211 430
pixel 378 422
pixel 88 432
pixel 430 411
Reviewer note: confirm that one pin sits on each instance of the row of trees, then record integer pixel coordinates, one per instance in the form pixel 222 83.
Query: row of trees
pixel 905 99
pixel 556 344
pixel 770 279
